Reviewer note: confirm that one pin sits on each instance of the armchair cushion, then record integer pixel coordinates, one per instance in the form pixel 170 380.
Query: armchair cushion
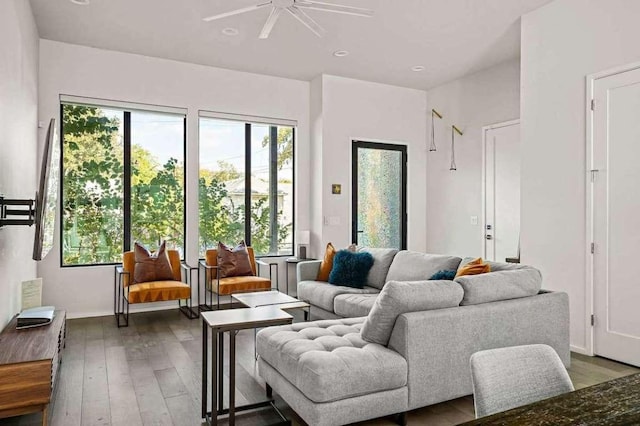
pixel 129 266
pixel 151 267
pixel 234 262
pixel 232 285
pixel 158 291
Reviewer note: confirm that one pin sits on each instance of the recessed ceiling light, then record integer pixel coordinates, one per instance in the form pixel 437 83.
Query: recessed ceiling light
pixel 81 2
pixel 417 68
pixel 230 31
pixel 340 53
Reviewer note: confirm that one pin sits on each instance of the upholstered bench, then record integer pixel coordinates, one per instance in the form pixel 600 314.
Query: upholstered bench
pixel 335 376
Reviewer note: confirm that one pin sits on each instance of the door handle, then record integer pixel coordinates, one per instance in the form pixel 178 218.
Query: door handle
pixel 360 232
pixel 488 237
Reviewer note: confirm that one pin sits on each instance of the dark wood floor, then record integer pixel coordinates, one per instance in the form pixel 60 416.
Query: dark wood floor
pixel 150 374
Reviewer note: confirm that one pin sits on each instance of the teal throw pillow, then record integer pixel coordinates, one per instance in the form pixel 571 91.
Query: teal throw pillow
pixel 350 269
pixel 444 275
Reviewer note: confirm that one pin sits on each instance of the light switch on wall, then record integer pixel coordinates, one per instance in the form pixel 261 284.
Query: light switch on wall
pixel 474 220
pixel 332 221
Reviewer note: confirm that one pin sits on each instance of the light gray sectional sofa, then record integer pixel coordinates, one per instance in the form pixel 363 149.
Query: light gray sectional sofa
pixel 403 342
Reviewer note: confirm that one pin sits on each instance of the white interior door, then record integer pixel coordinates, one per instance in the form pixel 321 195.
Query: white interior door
pixel 616 216
pixel 502 191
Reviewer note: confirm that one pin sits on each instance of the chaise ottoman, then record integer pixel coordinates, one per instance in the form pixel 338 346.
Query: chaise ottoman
pixel 329 375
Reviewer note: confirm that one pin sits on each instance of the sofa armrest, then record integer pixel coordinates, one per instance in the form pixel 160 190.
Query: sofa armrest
pixel 308 271
pixel 437 344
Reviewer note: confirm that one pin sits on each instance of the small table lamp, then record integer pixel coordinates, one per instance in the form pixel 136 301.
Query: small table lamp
pixel 304 238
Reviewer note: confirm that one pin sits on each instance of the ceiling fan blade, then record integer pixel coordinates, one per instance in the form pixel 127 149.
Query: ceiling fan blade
pixel 237 11
pixel 336 8
pixel 306 20
pixel 271 21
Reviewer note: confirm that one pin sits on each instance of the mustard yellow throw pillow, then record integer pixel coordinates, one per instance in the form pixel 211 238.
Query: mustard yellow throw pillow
pixel 475 267
pixel 327 263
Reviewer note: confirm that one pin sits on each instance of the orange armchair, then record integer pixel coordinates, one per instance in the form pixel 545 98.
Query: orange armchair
pixel 229 285
pixel 126 292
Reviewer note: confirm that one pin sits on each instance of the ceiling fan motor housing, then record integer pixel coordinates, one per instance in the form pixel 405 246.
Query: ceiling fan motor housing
pixel 283 3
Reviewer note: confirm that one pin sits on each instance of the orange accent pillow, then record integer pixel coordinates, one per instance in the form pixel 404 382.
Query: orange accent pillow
pixel 327 263
pixel 475 267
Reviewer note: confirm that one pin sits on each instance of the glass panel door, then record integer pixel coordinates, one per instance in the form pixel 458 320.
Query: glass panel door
pixel 379 191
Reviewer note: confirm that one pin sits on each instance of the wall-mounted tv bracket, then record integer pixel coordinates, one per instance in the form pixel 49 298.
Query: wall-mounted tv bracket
pixel 10 209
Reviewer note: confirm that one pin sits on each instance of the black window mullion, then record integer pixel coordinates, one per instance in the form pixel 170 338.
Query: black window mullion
pixel 247 183
pixel 126 182
pixel 273 189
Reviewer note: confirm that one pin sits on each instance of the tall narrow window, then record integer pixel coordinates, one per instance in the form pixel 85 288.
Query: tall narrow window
pixel 246 164
pixel 122 181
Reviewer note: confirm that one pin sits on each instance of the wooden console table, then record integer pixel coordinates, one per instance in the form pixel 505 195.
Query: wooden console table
pixel 29 361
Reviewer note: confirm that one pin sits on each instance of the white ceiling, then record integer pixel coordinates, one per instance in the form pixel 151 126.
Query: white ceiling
pixel 450 38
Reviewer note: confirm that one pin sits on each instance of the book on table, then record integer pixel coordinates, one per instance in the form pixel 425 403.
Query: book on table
pixel 35 317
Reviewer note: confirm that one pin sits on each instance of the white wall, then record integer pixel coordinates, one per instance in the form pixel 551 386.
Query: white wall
pixel 315 166
pixel 95 73
pixel 561 44
pixel 487 97
pixel 18 144
pixel 359 110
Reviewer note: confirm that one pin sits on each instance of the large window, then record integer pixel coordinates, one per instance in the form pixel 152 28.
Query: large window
pixel 246 164
pixel 122 181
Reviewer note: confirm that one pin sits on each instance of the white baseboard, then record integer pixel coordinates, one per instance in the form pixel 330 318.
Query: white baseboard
pixel 580 350
pixel 132 310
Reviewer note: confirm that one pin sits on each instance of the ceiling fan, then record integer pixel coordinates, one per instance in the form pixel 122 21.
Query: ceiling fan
pixel 296 9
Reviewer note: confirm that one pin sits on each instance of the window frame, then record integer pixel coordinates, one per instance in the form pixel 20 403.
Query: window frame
pixel 127 108
pixel 248 122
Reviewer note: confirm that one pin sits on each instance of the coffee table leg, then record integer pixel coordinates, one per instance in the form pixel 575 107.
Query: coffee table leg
pixel 221 372
pixel 205 361
pixel 214 376
pixel 232 378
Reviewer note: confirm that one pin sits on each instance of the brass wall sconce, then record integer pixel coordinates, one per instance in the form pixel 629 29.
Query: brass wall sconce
pixel 454 129
pixel 434 114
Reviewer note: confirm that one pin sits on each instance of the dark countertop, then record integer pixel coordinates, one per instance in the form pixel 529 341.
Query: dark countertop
pixel 616 402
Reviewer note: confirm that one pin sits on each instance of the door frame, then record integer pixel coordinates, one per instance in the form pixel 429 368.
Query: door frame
pixel 486 129
pixel 590 177
pixel 388 146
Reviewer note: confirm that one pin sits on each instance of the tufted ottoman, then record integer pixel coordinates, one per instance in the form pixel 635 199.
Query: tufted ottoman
pixel 329 375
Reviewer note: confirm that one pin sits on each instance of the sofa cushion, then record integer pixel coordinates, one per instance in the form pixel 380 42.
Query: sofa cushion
pixel 382 258
pixel 415 266
pixel 322 294
pixel 495 266
pixel 327 263
pixel 444 275
pixel 351 269
pixel 475 267
pixel 354 305
pixel 501 285
pixel 328 360
pixel 399 297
